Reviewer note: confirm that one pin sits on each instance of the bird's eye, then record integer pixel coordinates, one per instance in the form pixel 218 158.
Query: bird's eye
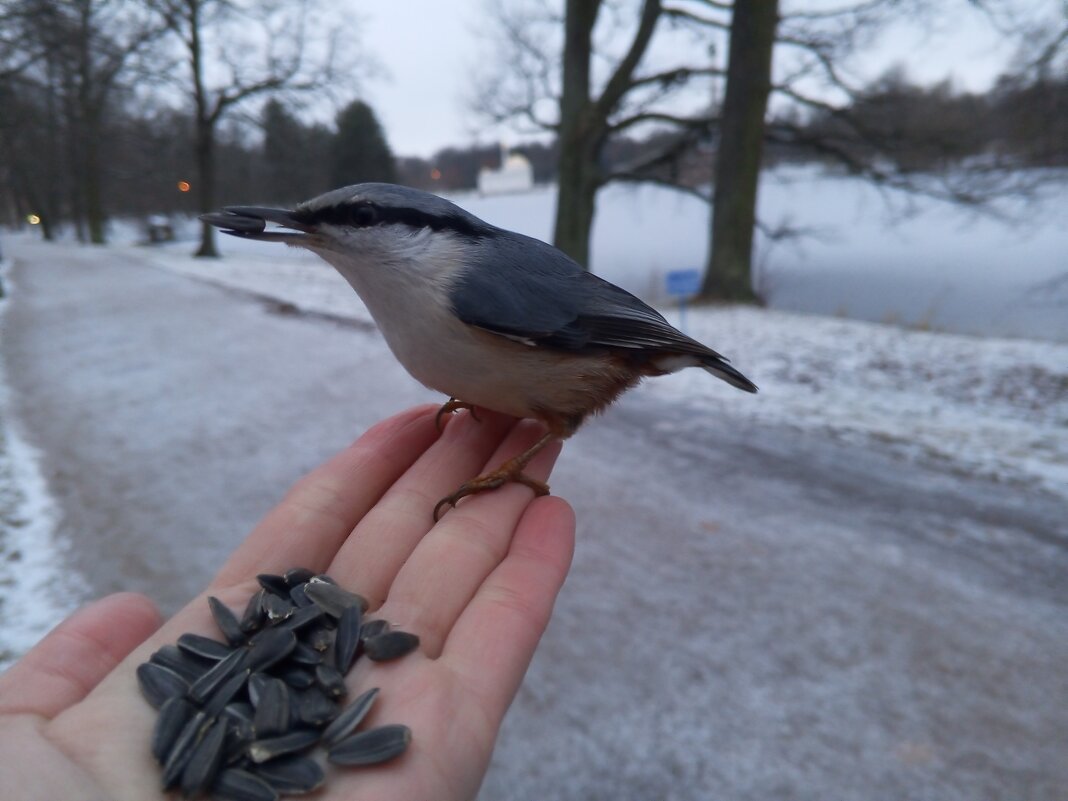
pixel 364 215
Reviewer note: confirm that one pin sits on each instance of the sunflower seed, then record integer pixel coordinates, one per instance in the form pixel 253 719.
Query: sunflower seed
pixel 204 763
pixel 269 647
pixel 217 701
pixel 315 709
pixel 240 711
pixel 187 666
pixel 372 746
pixel 330 681
pixel 297 575
pixel 350 717
pixel 372 628
pixel 299 617
pixel 272 747
pixel 390 645
pixel 299 597
pixel 273 584
pixel 226 621
pixel 159 683
pixel 255 615
pixel 182 750
pixel 257 685
pixel 348 637
pixel 277 607
pixel 319 637
pixel 332 599
pixel 322 578
pixel 235 784
pixel 207 684
pixel 173 716
pixel 297 677
pixel 305 655
pixel 292 775
pixel 204 647
pixel 272 710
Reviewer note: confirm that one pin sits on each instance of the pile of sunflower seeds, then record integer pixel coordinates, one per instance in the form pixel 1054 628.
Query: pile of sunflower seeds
pixel 237 719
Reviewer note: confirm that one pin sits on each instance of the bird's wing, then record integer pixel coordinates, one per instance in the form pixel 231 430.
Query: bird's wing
pixel 531 292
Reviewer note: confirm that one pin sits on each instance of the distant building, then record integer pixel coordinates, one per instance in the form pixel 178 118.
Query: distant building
pixel 514 175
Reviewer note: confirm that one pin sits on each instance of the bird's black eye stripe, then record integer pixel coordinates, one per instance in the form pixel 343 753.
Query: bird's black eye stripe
pixel 365 214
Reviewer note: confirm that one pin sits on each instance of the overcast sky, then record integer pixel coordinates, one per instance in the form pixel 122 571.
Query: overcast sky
pixel 429 50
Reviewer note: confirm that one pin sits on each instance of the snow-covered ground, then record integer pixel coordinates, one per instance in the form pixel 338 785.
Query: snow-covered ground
pixel 36 588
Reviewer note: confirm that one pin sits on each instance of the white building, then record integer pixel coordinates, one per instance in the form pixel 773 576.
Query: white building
pixel 514 175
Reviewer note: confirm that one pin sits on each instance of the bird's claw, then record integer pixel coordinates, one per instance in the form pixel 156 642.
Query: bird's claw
pixel 489 481
pixel 450 406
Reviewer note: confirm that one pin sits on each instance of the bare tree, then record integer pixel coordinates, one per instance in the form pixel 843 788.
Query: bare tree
pixel 73 56
pixel 584 91
pixel 237 52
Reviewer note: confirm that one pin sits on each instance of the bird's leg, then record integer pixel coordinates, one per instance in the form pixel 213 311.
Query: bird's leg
pixel 453 405
pixel 512 470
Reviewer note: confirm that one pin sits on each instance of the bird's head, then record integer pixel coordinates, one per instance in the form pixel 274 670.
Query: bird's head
pixel 370 224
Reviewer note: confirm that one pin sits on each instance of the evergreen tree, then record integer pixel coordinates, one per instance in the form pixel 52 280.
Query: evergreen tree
pixel 360 151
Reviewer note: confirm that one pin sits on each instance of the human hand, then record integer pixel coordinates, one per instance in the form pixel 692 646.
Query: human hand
pixel 477 587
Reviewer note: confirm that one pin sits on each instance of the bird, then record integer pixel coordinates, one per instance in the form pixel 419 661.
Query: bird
pixel 490 318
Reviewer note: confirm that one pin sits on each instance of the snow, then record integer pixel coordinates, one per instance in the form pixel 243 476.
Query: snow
pixel 37 589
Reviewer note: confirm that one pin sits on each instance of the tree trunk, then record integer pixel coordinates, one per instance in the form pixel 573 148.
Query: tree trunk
pixel 578 169
pixel 205 153
pixel 752 40
pixel 91 183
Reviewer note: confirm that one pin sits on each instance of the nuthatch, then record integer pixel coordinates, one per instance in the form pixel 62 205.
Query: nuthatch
pixel 489 317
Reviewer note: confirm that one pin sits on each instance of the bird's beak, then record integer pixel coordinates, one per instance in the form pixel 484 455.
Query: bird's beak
pixel 250 222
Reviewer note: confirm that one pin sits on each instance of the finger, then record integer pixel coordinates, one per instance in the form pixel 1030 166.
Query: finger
pixel 76 655
pixel 454 559
pixel 494 639
pixel 308 527
pixel 369 560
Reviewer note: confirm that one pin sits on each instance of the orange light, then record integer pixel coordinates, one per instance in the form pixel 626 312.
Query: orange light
pixel 183 186
pixel 435 174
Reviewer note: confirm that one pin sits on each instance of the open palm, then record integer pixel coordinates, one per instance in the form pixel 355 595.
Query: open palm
pixel 477 587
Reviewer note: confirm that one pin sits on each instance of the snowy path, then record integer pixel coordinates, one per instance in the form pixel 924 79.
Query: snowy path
pixel 762 612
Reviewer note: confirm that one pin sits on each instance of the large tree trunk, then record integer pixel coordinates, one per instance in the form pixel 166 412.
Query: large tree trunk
pixel 205 155
pixel 578 168
pixel 752 40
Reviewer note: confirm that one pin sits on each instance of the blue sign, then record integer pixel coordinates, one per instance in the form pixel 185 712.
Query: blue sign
pixel 683 283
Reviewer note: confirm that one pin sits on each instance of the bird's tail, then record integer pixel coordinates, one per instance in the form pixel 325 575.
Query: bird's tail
pixel 719 367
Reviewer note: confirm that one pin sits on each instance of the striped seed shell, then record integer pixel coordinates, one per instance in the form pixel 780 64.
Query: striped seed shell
pixel 272 711
pixel 298 596
pixel 182 749
pixel 350 717
pixel 349 624
pixel 277 607
pixel 270 647
pixel 226 621
pixel 173 716
pixel 207 684
pixel 255 615
pixel 330 681
pixel 305 655
pixel 273 584
pixel 204 647
pixel 315 709
pixel 187 666
pixel 372 746
pixel 292 775
pixel 332 599
pixel 299 617
pixel 372 628
pixel 298 677
pixel 217 701
pixel 159 683
pixel 235 784
pixel 297 575
pixel 207 757
pixel 390 645
pixel 262 750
